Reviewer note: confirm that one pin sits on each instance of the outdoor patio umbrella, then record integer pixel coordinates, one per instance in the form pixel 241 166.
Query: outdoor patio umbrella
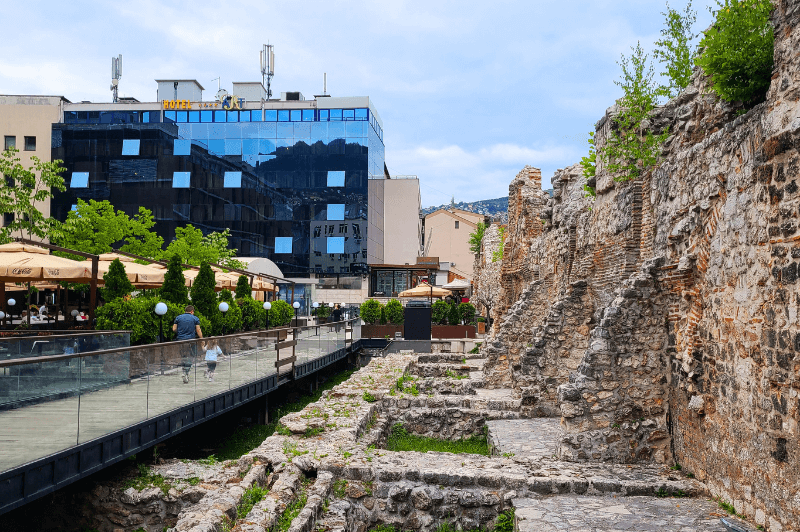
pixel 140 275
pixel 425 290
pixel 23 262
pixel 457 284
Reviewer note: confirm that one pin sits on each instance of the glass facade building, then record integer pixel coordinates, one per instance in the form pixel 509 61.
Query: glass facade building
pixel 291 184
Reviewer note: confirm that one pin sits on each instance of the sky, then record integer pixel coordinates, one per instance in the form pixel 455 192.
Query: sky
pixel 469 92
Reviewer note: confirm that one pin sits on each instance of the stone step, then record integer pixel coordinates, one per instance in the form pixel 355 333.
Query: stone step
pixel 579 513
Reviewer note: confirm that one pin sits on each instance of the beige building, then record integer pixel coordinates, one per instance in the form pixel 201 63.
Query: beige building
pixel 394 211
pixel 26 124
pixel 447 237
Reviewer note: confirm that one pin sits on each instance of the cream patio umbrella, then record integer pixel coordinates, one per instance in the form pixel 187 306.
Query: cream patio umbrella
pixel 23 263
pixel 140 275
pixel 425 290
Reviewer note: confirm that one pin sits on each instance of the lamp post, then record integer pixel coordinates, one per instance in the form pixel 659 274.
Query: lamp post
pixel 74 314
pixel 295 305
pixel 160 310
pixel 2 317
pixel 267 306
pixel 11 303
pixel 223 307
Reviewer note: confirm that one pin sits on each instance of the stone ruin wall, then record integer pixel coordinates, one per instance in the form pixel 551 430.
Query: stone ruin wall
pixel 663 323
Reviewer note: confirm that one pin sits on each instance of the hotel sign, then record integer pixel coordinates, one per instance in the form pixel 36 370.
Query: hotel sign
pixel 229 103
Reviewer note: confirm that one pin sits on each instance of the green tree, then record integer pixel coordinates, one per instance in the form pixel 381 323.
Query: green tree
pixel 467 313
pixel 394 311
pixel 230 321
pixel 23 190
pixel 117 284
pixel 453 316
pixel 323 311
pixel 737 50
pixel 498 255
pixel 476 238
pixel 632 147
pixel 370 311
pixel 243 288
pixel 280 314
pixel 253 314
pixel 96 227
pixel 196 248
pixel 138 316
pixel 589 165
pixel 202 292
pixel 174 288
pixel 674 49
pixel 439 311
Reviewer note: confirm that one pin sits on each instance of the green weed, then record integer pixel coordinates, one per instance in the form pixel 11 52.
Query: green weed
pixel 250 498
pixel 368 397
pixel 401 440
pixel 339 488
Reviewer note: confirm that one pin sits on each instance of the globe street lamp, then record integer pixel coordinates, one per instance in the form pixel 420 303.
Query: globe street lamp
pixel 11 303
pixel 74 314
pixel 160 310
pixel 223 307
pixel 267 306
pixel 296 306
pixel 2 317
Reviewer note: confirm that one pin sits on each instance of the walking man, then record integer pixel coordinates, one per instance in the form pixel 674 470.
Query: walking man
pixel 336 316
pixel 187 327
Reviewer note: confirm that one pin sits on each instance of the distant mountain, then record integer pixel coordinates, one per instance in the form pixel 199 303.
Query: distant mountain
pixel 494 208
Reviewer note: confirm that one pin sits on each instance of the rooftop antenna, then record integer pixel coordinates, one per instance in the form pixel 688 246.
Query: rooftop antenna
pixel 267 67
pixel 116 74
pixel 324 83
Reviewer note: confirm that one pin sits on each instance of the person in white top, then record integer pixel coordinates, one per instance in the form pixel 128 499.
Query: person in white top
pixel 213 352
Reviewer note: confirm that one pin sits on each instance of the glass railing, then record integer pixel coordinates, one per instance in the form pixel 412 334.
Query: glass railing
pixel 45 344
pixel 55 402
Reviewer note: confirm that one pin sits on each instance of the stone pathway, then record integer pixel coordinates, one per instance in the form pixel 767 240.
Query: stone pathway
pixel 525 438
pixel 577 513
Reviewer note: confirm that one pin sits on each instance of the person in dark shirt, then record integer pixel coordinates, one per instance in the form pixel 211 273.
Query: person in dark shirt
pixel 187 327
pixel 336 316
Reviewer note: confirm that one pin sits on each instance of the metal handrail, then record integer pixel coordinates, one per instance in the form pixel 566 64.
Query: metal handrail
pixel 58 334
pixel 130 350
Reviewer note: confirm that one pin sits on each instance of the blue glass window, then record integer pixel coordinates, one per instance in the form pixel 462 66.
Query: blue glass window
pixel 233 180
pixel 335 178
pixel 206 116
pixel 244 116
pixel 180 179
pixel 335 244
pixel 182 116
pixel 270 115
pixel 250 147
pixel 266 146
pixel 335 211
pixel 194 116
pixel 336 114
pixel 356 129
pixel 233 147
pixel 130 147
pixel 361 114
pixel 256 116
pixel 74 207
pixel 297 115
pixel 308 115
pixel 283 116
pixel 323 115
pixel 182 147
pixel 233 116
pixel 349 114
pixel 285 131
pixel 169 116
pixel 336 130
pixel 79 180
pixel 283 244
pixel 219 116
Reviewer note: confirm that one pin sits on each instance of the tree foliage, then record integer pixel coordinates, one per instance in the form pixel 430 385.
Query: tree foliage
pixel 138 316
pixel 253 314
pixel 589 165
pixel 467 313
pixel 371 311
pixel 243 288
pixel 202 292
pixel 476 238
pixel 737 50
pixel 498 255
pixel 674 49
pixel 394 311
pixel 453 316
pixel 174 288
pixel 117 284
pixel 96 227
pixel 439 312
pixel 632 146
pixel 226 322
pixel 23 190
pixel 280 314
pixel 196 248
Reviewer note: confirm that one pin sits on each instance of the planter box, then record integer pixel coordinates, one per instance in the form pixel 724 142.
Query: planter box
pixel 380 331
pixel 481 327
pixel 453 331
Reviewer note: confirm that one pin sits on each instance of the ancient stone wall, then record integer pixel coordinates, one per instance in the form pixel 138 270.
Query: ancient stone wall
pixel 690 350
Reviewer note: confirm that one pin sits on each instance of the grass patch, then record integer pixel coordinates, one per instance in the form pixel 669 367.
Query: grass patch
pixel 294 509
pixel 401 440
pixel 407 384
pixel 368 397
pixel 504 523
pixel 475 350
pixel 453 375
pixel 244 440
pixel 146 478
pixel 250 498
